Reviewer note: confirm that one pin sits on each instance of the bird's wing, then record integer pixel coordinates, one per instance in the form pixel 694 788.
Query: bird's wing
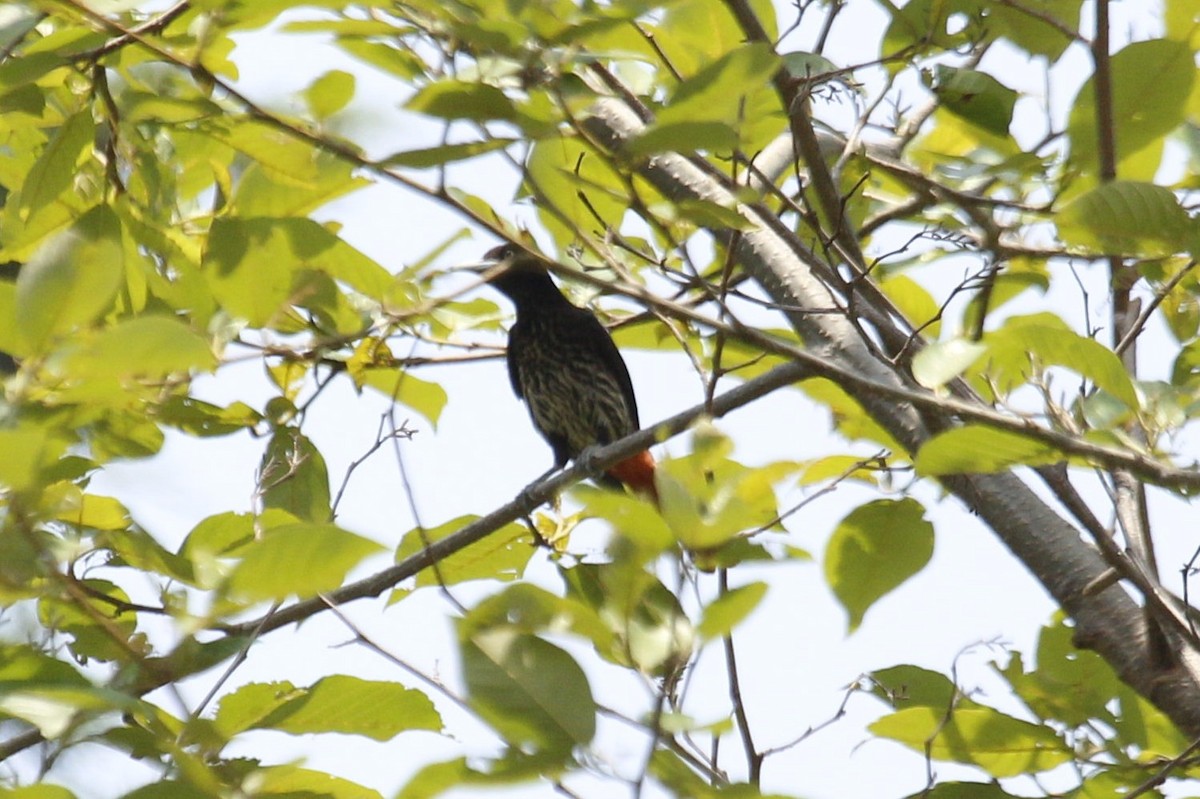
pixel 610 356
pixel 513 354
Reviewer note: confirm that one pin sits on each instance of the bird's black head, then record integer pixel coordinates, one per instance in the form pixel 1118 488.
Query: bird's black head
pixel 518 274
pixel 504 252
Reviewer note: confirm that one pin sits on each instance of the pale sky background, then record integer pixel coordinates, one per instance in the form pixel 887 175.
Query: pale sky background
pixel 795 656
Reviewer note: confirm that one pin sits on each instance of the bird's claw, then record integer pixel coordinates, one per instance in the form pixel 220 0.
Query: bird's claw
pixel 526 498
pixel 587 460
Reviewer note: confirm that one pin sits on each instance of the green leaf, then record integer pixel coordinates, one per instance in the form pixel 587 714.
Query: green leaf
pixel 456 99
pixel 1069 685
pixel 40 791
pixel 294 477
pixel 844 467
pixel 735 91
pixel 392 60
pixel 330 93
pixel 142 107
pixel 979 449
pixel 168 789
pixel 914 301
pixel 684 137
pixel 502 555
pixel 707 498
pixel 134 547
pixel 716 92
pixel 648 628
pixel 534 693
pixel 72 279
pixel 303 559
pixel 54 710
pixel 1128 218
pixel 566 170
pixel 808 66
pixel 1186 369
pixel 20 664
pixel 292 782
pixel 914 686
pixel 11 340
pixel 730 609
pixel 535 610
pixel 964 790
pixel 28 450
pixel 102 630
pixel 29 67
pixel 290 160
pixel 939 363
pixel 1045 340
pixel 198 418
pixel 1151 83
pixel 424 397
pixel 145 346
pixel 696 32
pixel 514 769
pixel 974 96
pixel 252 264
pixel 920 24
pixel 55 168
pixel 259 192
pixel 222 534
pixel 1037 34
pixel 71 505
pixel 448 153
pixel 849 417
pixel 999 744
pixel 340 703
pixel 873 550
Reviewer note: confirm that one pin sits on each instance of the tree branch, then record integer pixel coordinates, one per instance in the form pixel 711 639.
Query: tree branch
pixel 1109 621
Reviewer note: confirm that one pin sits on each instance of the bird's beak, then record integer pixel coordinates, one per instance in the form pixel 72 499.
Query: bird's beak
pixel 485 271
pixel 474 267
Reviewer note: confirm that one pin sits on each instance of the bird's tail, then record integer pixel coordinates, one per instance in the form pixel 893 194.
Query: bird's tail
pixel 637 472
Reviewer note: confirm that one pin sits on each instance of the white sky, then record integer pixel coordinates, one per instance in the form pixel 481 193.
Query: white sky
pixel 795 656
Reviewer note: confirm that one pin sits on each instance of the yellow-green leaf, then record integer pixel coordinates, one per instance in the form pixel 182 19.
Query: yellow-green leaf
pixel 302 559
pixel 294 477
pixel 1129 218
pixel 1151 83
pixel 72 279
pixel 979 449
pixel 1001 745
pixel 330 93
pixel 447 153
pixel 942 361
pixel 27 451
pixel 144 346
pixel 530 690
pixel 456 99
pixel 974 96
pixel 55 168
pixel 728 610
pixel 502 555
pixel 873 550
pixel 424 397
pixel 340 703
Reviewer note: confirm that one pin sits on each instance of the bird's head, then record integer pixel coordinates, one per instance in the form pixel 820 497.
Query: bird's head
pixel 515 272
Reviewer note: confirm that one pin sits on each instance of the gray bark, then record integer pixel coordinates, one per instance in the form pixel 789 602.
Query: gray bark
pixel 1109 622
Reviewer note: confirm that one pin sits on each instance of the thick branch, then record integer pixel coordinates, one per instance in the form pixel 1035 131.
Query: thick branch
pixel 1108 622
pixel 527 502
pixel 530 499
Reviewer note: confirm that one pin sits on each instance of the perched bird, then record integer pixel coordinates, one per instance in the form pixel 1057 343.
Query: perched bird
pixel 565 366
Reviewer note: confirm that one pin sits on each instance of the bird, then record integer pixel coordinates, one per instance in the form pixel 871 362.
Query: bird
pixel 565 366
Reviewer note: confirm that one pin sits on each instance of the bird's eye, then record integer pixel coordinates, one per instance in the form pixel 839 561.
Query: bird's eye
pixel 500 253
